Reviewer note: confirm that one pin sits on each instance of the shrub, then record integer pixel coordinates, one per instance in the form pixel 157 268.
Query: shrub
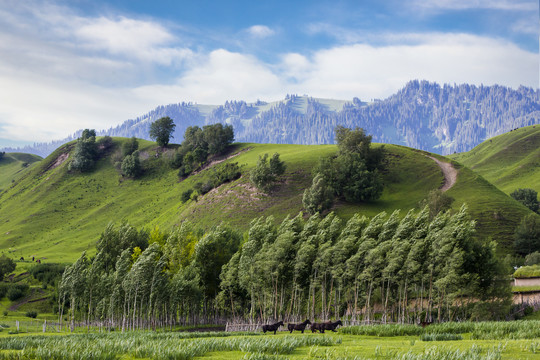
pixel 266 172
pixel 130 146
pixel 186 195
pixel 47 273
pixel 527 235
pixel 527 197
pixel 318 197
pixel 532 259
pixel 31 314
pixel 131 166
pixel 17 291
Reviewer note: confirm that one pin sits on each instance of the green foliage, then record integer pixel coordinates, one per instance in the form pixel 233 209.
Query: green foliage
pixel 527 235
pixel 47 273
pixel 527 197
pixel 217 137
pixel 532 259
pixel 527 272
pixel 353 173
pixel 441 337
pixel 7 265
pixel 85 152
pixel 437 201
pixel 186 195
pixel 31 314
pixel 130 146
pixel 318 197
pixel 131 165
pixel 2 153
pixel 105 144
pixel 161 130
pixel 17 291
pixel 266 173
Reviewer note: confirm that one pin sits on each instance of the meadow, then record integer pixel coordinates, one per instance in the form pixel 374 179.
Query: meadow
pixel 490 340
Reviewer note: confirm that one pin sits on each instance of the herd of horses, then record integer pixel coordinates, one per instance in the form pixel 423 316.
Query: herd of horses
pixel 321 327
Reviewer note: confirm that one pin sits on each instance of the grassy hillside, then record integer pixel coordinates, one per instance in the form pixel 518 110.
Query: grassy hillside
pixel 13 166
pixel 509 161
pixel 54 214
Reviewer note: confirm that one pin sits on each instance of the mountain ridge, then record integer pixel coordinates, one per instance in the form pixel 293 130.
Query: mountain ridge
pixel 423 115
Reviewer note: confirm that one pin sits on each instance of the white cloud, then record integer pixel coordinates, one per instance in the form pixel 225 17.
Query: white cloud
pixel 61 72
pixel 260 31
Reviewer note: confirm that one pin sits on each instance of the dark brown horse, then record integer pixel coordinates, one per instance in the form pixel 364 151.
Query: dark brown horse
pixel 325 326
pixel 272 327
pixel 301 326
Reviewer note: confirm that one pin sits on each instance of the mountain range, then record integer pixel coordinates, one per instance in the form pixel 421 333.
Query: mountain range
pixel 423 115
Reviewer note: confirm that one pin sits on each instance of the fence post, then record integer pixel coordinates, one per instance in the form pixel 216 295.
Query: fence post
pixel 45 326
pixel 17 324
pixel 226 326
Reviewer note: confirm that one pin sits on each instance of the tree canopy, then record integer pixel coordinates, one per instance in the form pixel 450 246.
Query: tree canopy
pixel 528 197
pixel 161 130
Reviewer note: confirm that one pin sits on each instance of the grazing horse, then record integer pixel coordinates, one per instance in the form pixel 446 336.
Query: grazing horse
pixel 301 326
pixel 425 323
pixel 272 327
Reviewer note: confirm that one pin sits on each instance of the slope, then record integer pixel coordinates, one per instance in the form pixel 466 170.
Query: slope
pixel 509 161
pixel 13 166
pixel 54 214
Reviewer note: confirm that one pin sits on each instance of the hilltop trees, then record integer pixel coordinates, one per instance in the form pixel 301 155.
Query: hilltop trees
pixel 266 173
pixel 161 130
pixel 527 197
pixel 85 153
pixel 352 174
pixel 198 144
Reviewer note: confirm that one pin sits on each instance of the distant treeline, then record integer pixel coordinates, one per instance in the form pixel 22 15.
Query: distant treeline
pixel 423 115
pixel 406 269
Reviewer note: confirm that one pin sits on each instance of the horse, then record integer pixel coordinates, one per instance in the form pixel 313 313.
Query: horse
pixel 317 326
pixel 301 326
pixel 425 323
pixel 272 327
pixel 331 325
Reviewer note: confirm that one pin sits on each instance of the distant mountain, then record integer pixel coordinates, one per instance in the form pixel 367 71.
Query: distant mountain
pixel 427 116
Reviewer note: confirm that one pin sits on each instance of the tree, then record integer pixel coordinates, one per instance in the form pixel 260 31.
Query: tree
pixel 218 137
pixel 85 152
pixel 527 197
pixel 266 173
pixel 532 259
pixel 2 153
pixel 527 235
pixel 130 146
pixel 318 197
pixel 437 201
pixel 7 265
pixel 131 166
pixel 161 130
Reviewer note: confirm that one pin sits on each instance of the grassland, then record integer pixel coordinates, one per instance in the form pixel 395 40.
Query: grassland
pixel 514 340
pixel 13 166
pixel 53 214
pixel 509 161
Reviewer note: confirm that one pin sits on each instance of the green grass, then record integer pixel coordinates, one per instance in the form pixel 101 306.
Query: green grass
pixel 527 272
pixel 509 161
pixel 54 215
pixel 135 345
pixel 12 169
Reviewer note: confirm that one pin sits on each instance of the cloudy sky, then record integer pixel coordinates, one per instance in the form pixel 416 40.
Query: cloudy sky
pixel 67 65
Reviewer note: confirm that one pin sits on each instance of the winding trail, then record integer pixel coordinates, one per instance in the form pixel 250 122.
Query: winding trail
pixel 449 172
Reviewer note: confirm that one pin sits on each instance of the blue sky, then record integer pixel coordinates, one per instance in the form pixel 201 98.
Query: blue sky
pixel 66 65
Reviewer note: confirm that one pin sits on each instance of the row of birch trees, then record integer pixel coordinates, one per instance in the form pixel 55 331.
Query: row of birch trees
pixel 394 268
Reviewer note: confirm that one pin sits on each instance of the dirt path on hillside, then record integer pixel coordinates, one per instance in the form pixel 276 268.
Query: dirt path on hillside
pixel 449 172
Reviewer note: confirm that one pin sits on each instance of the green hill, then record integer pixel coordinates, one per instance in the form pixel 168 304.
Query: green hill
pixel 509 161
pixel 54 214
pixel 13 166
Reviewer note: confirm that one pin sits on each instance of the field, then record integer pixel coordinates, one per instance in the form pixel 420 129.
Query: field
pixel 510 161
pixel 409 342
pixel 13 166
pixel 55 215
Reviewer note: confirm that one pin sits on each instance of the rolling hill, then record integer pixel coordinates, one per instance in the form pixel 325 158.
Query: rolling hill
pixel 54 214
pixel 15 165
pixel 509 161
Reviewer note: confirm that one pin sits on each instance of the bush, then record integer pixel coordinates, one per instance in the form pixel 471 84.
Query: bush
pixel 130 146
pixel 48 273
pixel 31 314
pixel 318 197
pixel 532 259
pixel 17 291
pixel 5 313
pixel 527 197
pixel 527 235
pixel 265 173
pixel 131 166
pixel 186 195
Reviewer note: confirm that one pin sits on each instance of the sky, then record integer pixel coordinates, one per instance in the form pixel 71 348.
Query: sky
pixel 69 65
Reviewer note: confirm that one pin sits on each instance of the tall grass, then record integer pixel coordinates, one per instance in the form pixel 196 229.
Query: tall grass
pixel 526 329
pixel 151 345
